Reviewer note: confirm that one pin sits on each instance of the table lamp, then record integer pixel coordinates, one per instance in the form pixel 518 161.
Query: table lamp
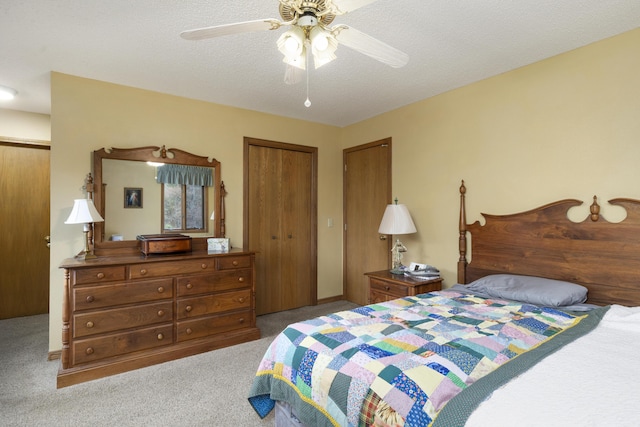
pixel 85 212
pixel 397 220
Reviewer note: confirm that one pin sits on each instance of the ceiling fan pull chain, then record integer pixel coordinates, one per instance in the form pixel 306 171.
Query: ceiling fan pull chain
pixel 307 103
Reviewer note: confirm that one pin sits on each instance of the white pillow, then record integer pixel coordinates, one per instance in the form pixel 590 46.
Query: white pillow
pixel 530 289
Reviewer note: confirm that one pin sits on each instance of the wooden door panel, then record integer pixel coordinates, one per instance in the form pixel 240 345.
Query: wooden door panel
pixel 367 191
pixel 24 225
pixel 280 223
pixel 264 227
pixel 296 228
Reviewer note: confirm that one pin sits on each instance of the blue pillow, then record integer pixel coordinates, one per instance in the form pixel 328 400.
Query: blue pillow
pixel 530 289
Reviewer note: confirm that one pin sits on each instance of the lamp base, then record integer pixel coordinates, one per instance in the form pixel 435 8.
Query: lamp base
pixel 87 254
pixel 397 270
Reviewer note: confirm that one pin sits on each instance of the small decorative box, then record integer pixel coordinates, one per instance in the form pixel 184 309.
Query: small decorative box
pixel 218 244
pixel 164 243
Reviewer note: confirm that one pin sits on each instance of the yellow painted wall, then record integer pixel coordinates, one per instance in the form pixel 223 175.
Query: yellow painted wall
pixel 23 125
pixel 87 115
pixel 565 127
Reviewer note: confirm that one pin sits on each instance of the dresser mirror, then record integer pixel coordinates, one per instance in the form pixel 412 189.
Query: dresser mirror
pixel 129 197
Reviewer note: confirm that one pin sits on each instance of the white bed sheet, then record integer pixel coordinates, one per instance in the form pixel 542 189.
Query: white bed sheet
pixel 595 381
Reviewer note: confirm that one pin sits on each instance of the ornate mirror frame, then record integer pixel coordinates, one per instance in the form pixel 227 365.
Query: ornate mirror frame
pixel 153 154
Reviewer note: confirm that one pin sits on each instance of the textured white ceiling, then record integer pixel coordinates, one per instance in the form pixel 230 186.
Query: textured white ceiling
pixel 137 43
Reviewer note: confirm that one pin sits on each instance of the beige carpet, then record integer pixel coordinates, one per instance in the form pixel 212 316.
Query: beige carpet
pixel 208 389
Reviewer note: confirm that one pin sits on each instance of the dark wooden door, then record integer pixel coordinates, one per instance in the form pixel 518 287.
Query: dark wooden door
pixel 281 223
pixel 367 191
pixel 24 227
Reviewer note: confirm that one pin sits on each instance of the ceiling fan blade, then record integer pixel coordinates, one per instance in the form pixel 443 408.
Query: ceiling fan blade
pixel 370 46
pixel 224 30
pixel 345 6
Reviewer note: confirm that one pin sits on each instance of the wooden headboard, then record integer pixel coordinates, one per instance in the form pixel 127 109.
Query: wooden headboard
pixel 544 242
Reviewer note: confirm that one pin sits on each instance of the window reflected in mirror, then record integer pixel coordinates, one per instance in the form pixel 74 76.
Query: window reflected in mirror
pixel 184 208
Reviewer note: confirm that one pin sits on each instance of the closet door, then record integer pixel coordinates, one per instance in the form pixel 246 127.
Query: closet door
pixel 296 227
pixel 280 223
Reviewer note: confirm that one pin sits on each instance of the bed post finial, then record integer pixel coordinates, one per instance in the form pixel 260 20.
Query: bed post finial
pixel 595 210
pixel 462 240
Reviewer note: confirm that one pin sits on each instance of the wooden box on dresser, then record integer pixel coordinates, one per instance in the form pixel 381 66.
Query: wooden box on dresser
pixel 384 286
pixel 126 312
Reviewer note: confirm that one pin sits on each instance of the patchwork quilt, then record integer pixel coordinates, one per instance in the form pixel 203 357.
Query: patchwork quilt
pixel 397 363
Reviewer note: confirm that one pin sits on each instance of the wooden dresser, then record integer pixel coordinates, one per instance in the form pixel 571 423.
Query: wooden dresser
pixel 384 286
pixel 126 312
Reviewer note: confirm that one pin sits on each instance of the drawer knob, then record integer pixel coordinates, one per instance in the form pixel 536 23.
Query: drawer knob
pixel 188 308
pixel 160 289
pixel 203 265
pixel 387 288
pixel 89 324
pixel 241 299
pixel 160 313
pixel 160 337
pixel 235 263
pixel 89 350
pixel 143 271
pixel 188 331
pixel 241 320
pixel 240 279
pixel 100 275
pixel 189 285
pixel 90 298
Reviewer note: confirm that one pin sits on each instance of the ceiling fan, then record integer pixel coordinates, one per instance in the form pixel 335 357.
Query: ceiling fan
pixel 310 33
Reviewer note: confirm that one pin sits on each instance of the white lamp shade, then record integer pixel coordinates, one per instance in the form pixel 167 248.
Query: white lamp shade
pixel 291 45
pixel 83 212
pixel 396 220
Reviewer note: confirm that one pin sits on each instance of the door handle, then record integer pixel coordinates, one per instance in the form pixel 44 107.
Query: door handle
pixel 383 237
pixel 48 240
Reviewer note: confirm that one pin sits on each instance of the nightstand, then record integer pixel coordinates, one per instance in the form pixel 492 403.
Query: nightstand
pixel 384 286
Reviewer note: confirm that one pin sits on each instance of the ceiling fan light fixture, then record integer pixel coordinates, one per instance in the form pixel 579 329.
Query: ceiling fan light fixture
pixel 297 61
pixel 7 93
pixel 292 45
pixel 323 46
pixel 319 39
pixel 291 42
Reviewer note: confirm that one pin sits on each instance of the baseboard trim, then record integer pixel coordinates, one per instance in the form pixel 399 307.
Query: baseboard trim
pixel 54 355
pixel 331 299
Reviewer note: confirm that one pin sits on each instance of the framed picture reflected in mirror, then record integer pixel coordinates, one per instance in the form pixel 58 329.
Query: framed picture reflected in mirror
pixel 132 198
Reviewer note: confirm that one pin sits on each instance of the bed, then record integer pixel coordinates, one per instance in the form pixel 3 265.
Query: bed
pixel 543 328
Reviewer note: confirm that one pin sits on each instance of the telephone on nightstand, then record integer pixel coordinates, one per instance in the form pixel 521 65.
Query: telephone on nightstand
pixel 423 271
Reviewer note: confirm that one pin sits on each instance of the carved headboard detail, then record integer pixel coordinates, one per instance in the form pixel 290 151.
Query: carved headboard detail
pixel 544 242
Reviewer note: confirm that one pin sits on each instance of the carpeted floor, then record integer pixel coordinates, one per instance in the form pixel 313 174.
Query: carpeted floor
pixel 208 389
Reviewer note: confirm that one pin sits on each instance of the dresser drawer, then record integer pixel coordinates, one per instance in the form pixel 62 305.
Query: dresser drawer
pixel 209 304
pixel 88 350
pixel 388 288
pixel 171 268
pixel 197 328
pixel 97 275
pixel 91 297
pixel 99 322
pixel 229 262
pixel 220 281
